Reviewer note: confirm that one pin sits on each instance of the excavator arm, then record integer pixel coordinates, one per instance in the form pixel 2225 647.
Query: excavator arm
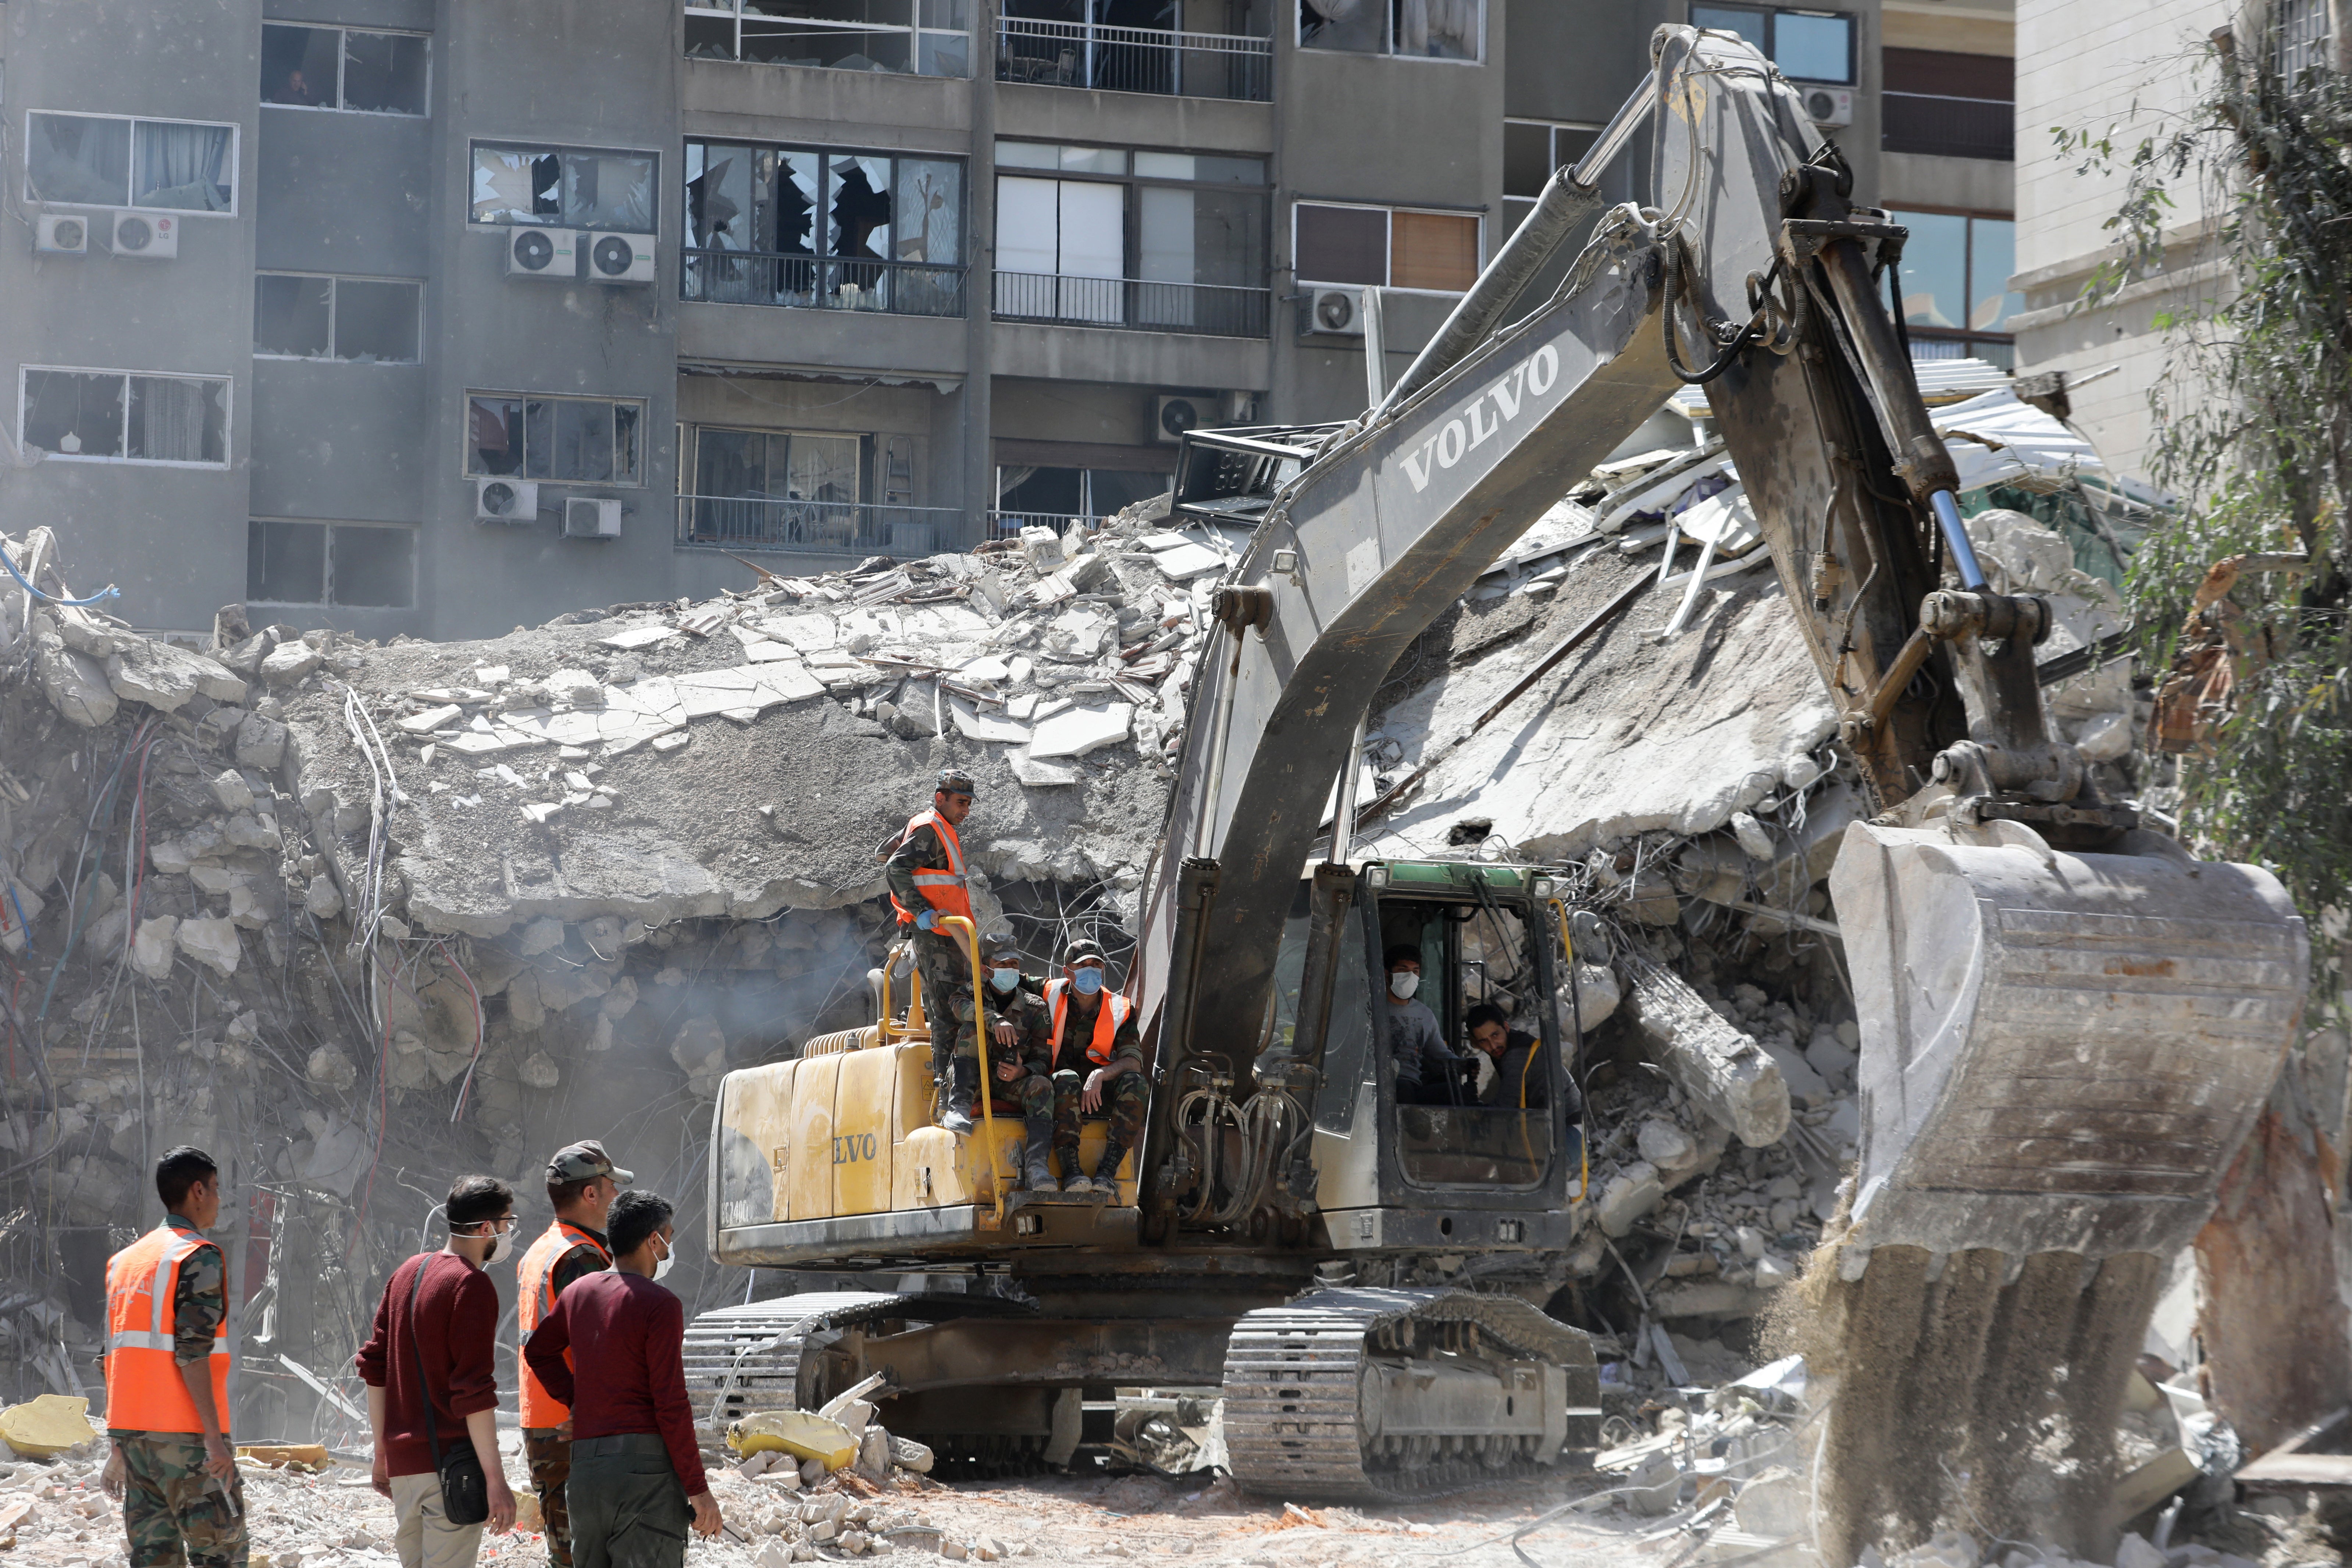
pixel 1996 902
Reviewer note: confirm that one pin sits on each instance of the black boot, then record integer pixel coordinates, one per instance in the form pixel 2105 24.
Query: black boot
pixel 1107 1172
pixel 963 1087
pixel 1039 1137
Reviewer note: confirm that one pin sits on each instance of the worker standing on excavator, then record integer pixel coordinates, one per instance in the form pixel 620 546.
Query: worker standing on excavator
pixel 1095 1064
pixel 926 874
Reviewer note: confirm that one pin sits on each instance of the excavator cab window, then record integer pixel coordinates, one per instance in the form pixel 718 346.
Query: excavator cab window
pixel 1345 1036
pixel 1473 953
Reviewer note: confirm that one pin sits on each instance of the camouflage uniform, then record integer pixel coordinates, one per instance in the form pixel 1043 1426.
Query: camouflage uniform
pixel 940 957
pixel 550 1456
pixel 172 1513
pixel 1052 1091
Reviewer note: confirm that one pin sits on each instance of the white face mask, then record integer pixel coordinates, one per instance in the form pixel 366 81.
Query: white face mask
pixel 1403 984
pixel 501 1248
pixel 668 1258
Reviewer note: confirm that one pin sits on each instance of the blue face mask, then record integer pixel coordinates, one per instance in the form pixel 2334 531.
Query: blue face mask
pixel 1004 978
pixel 1088 981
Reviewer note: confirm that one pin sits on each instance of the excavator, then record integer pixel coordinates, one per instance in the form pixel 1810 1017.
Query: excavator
pixel 2068 1022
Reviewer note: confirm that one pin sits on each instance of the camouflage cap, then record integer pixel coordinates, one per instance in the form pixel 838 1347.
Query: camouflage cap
pixel 580 1162
pixel 999 943
pixel 1080 951
pixel 952 781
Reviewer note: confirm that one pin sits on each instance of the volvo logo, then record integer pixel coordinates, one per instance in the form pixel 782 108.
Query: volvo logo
pixel 1484 419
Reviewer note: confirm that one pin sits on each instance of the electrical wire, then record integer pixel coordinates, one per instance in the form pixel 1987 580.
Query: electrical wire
pixel 109 592
pixel 464 1089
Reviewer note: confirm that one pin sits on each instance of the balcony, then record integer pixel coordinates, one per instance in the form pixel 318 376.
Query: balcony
pixel 1134 59
pixel 820 283
pixel 839 34
pixel 1949 127
pixel 817 527
pixel 1207 309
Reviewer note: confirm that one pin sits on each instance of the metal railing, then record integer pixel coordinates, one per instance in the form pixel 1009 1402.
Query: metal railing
pixel 1947 127
pixel 1009 524
pixel 815 282
pixel 1134 59
pixel 843 527
pixel 1141 304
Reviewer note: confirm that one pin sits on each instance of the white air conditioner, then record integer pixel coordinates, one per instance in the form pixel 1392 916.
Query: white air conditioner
pixel 534 252
pixel 619 257
pixel 61 234
pixel 1829 105
pixel 1338 310
pixel 1172 416
pixel 506 501
pixel 150 237
pixel 587 519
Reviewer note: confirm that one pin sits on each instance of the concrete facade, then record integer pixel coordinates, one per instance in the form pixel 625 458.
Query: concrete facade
pixel 370 458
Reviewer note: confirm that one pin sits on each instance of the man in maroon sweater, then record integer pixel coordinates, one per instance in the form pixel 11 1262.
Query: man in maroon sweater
pixel 636 1471
pixel 432 1358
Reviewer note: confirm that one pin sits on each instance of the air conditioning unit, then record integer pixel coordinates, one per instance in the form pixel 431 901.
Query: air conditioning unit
pixel 542 252
pixel 1338 310
pixel 619 257
pixel 1829 105
pixel 587 519
pixel 1172 416
pixel 61 234
pixel 506 501
pixel 148 237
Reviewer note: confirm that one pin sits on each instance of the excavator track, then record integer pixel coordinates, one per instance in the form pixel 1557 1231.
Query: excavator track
pixel 747 1358
pixel 1295 1393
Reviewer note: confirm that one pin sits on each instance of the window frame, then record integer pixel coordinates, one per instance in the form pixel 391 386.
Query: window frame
pixel 1131 211
pixel 695 429
pixel 335 281
pixel 1962 335
pixel 913 31
pixel 1553 128
pixel 1389 52
pixel 229 417
pixel 821 233
pixel 466 436
pixel 1389 256
pixel 475 144
pixel 1772 14
pixel 330 525
pixel 342 60
pixel 130 170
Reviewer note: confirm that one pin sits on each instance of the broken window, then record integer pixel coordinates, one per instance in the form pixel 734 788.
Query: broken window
pixel 576 440
pixel 357 565
pixel 115 414
pixel 752 211
pixel 113 160
pixel 1808 45
pixel 925 37
pixel 1424 30
pixel 368 321
pixel 1393 248
pixel 364 72
pixel 565 188
pixel 775 484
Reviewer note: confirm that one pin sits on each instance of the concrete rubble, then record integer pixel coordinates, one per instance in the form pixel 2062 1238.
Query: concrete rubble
pixel 369 914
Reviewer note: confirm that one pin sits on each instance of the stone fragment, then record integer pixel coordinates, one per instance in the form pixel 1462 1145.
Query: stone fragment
pixel 975 725
pixel 672 742
pixel 218 728
pixel 152 948
pixel 1039 774
pixel 1595 997
pixel 1650 899
pixel 1725 1074
pixel 211 941
pixel 1076 732
pixel 165 678
pixel 231 791
pixel 1752 837
pixel 261 744
pixel 330 1067
pixel 542 935
pixel 75 685
pixel 1829 1055
pixel 322 898
pixel 812 1471
pixel 430 720
pixel 1665 1146
pixel 1806 1087
pixel 290 662
pixel 246 657
pixel 103 939
pixel 538 1071
pixel 637 637
pixel 1630 1196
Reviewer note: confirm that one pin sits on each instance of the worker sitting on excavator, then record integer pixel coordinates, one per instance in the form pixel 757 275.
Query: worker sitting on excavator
pixel 1093 1062
pixel 1020 1034
pixel 925 872
pixel 1427 1070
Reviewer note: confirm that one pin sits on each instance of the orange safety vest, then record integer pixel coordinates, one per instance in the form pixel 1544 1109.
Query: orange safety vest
pixel 943 890
pixel 534 1299
pixel 144 1390
pixel 1108 1019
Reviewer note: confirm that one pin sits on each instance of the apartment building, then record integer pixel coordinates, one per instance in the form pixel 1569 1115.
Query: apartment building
pixel 412 316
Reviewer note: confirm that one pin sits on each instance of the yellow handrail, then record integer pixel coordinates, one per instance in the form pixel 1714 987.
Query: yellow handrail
pixel 1583 1131
pixel 984 1094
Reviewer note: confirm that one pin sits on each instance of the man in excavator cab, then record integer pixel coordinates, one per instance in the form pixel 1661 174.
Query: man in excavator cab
pixel 1520 1081
pixel 1428 1072
pixel 1093 1063
pixel 925 872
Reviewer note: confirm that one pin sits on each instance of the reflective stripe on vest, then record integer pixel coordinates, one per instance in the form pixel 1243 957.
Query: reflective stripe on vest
pixel 1108 1019
pixel 144 1390
pixel 943 890
pixel 534 1299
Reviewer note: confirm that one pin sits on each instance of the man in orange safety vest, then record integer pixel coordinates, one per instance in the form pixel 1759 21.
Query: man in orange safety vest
pixel 167 1361
pixel 925 870
pixel 582 1183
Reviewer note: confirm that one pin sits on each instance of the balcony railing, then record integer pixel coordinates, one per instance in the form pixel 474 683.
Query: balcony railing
pixel 1138 304
pixel 814 282
pixel 1009 524
pixel 1949 127
pixel 1134 59
pixel 838 34
pixel 833 528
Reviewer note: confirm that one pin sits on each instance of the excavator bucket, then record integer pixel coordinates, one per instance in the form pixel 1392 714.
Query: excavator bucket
pixel 2060 1052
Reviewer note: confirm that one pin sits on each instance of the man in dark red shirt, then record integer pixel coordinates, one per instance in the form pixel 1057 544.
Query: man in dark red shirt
pixel 431 1359
pixel 636 1471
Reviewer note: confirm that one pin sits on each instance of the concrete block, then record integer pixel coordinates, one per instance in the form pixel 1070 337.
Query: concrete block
pixel 1076 732
pixel 261 743
pixel 291 662
pixel 974 724
pixel 1632 1195
pixel 1726 1075
pixel 76 685
pixel 153 947
pixel 165 678
pixel 212 943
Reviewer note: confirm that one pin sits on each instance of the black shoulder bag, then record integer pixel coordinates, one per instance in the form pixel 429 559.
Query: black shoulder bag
pixel 464 1490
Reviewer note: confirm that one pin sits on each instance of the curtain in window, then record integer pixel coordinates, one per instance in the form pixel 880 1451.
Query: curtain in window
pixel 176 421
pixel 1445 29
pixel 183 166
pixel 78 158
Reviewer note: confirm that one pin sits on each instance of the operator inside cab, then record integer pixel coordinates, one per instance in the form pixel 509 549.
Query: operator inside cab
pixel 1518 1081
pixel 1428 1072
